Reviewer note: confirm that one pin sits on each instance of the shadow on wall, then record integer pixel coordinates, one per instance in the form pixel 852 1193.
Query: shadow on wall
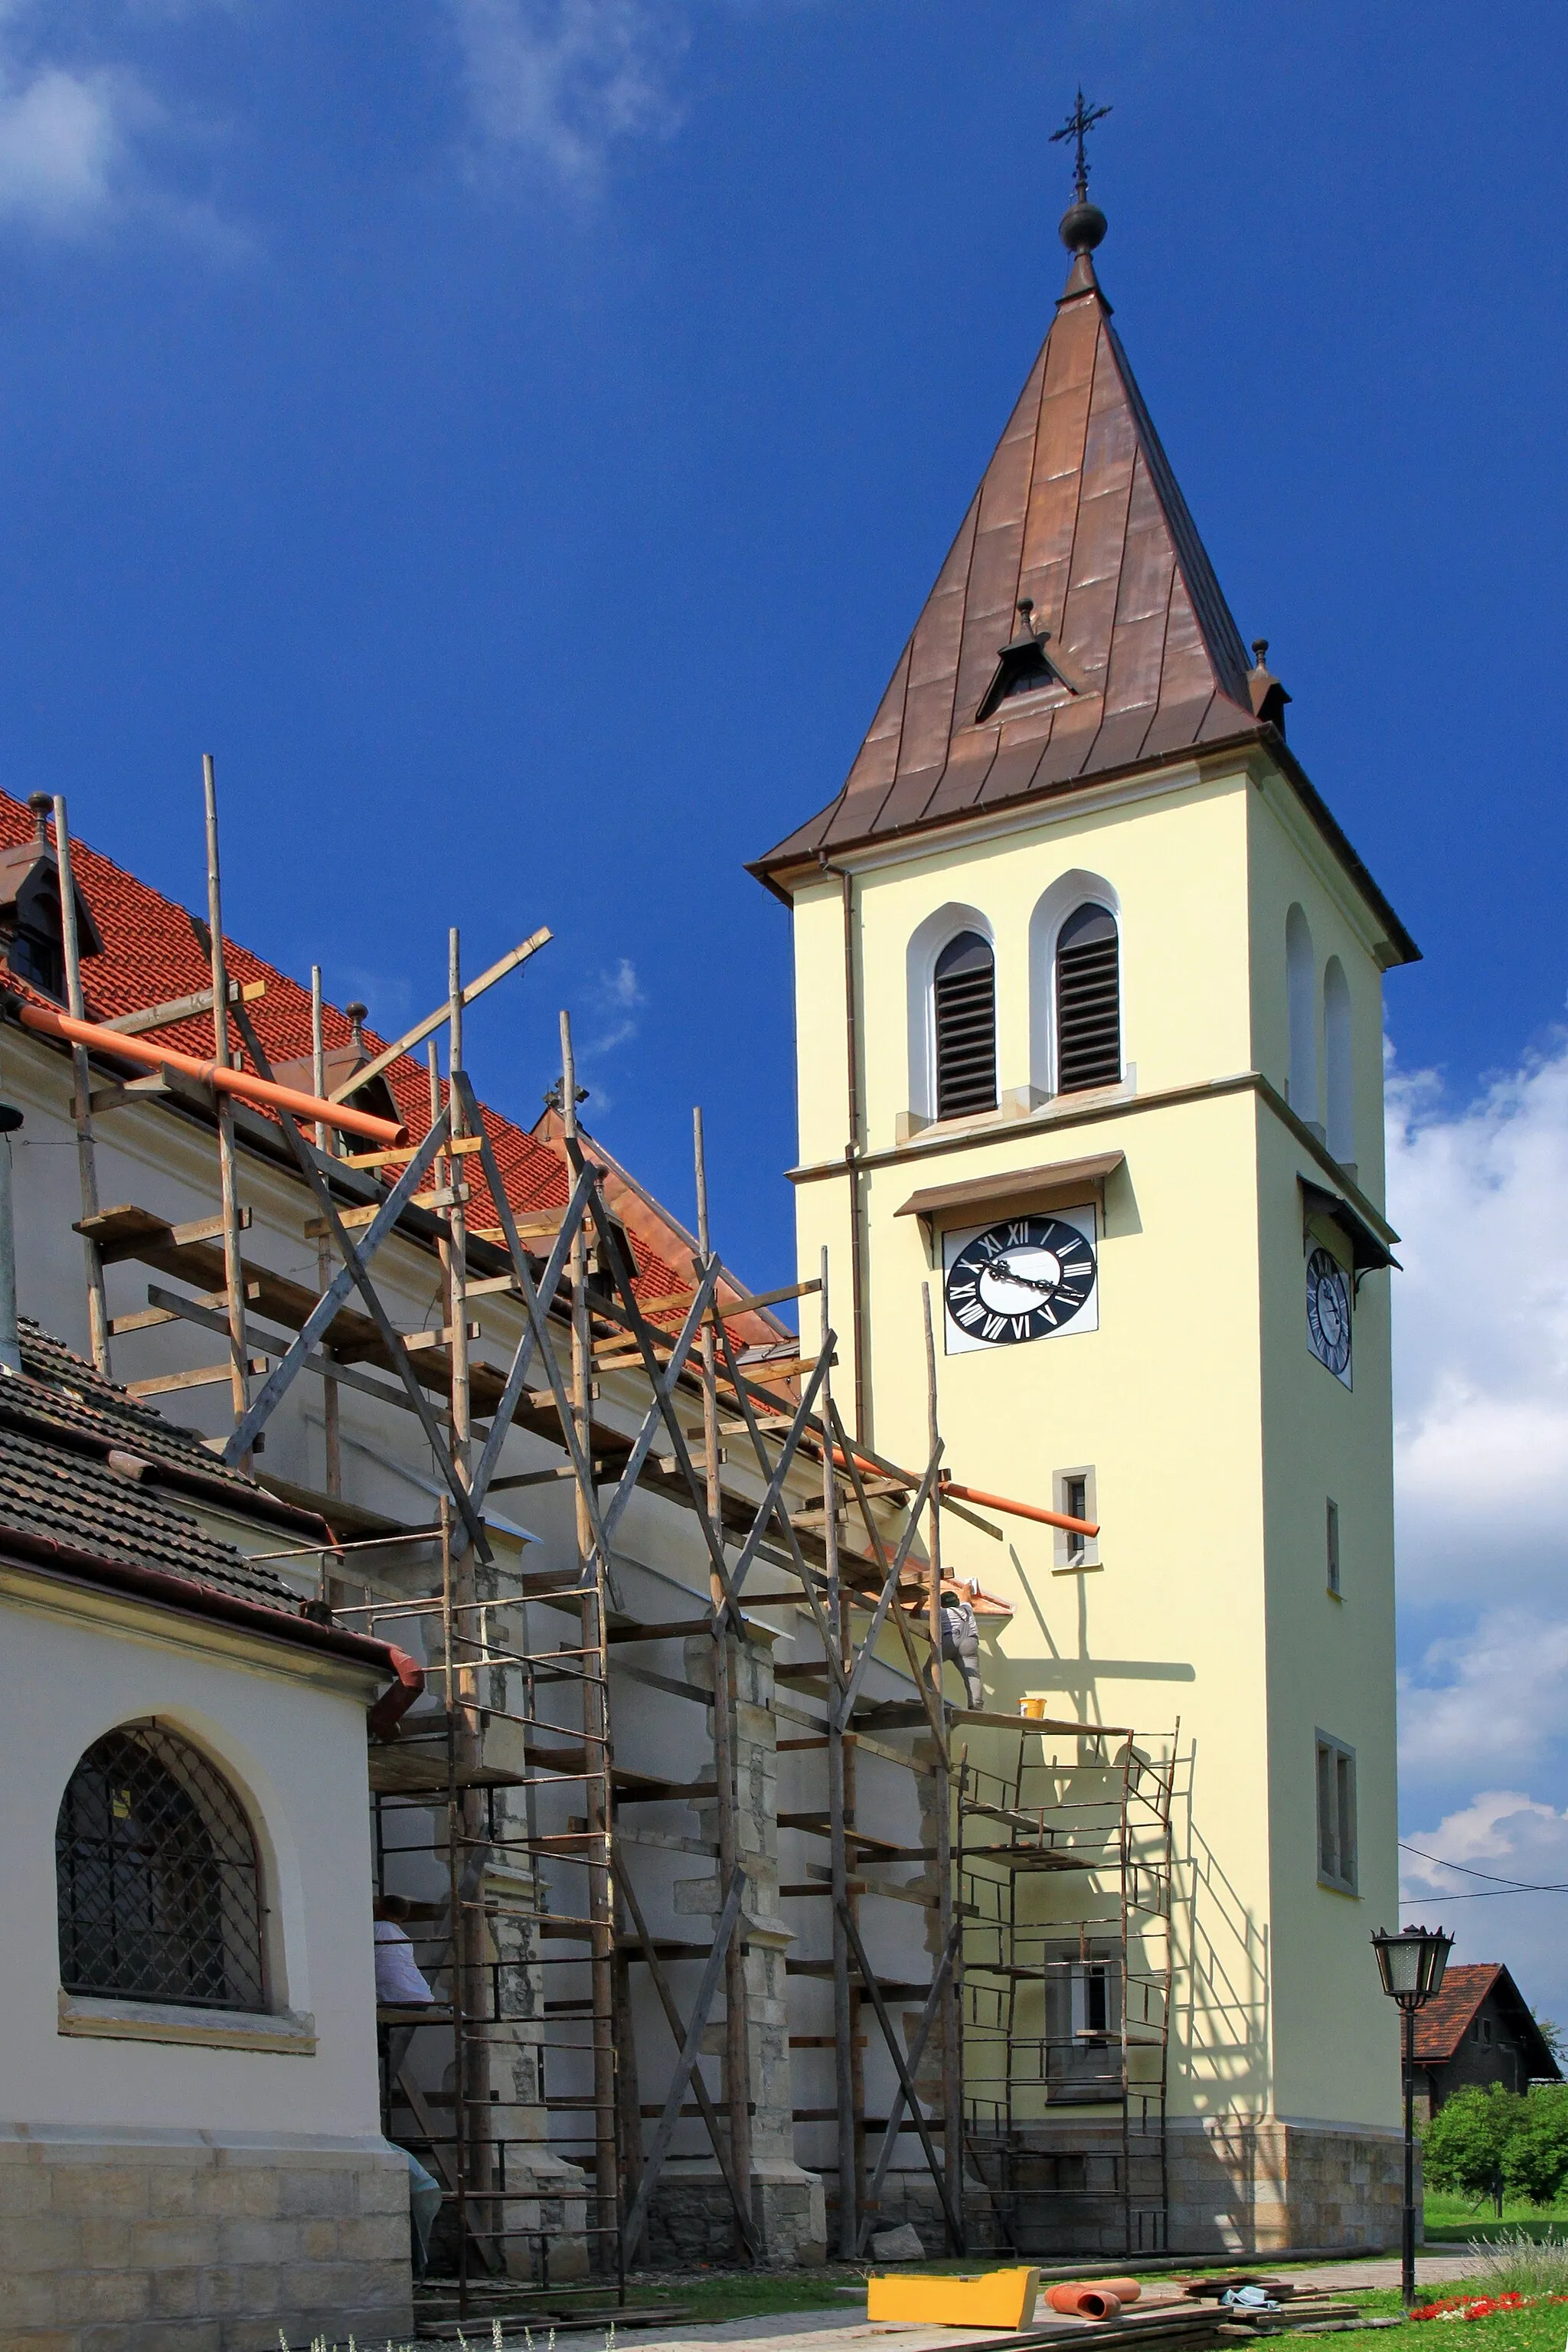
pixel 1219 2023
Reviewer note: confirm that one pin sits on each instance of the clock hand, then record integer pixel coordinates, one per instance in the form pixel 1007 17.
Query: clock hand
pixel 1027 1281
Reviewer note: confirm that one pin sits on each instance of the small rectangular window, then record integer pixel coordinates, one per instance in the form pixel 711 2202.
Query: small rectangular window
pixel 1336 1814
pixel 1333 1545
pixel 1075 1500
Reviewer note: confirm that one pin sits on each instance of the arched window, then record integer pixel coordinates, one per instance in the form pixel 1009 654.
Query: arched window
pixel 1299 979
pixel 159 1885
pixel 963 1009
pixel 1089 1002
pixel 1339 1085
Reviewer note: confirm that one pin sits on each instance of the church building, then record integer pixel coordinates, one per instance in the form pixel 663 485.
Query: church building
pixel 1089 1054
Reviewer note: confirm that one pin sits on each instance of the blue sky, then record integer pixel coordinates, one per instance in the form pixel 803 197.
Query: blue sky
pixel 516 435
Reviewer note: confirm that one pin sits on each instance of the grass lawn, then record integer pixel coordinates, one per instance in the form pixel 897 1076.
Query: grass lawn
pixel 740 2294
pixel 1454 2220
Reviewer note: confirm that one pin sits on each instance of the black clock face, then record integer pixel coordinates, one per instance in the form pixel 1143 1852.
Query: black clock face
pixel 1020 1280
pixel 1329 1312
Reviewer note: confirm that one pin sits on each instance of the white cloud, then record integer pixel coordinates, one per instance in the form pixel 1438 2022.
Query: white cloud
pixel 85 139
pixel 1508 1835
pixel 1480 1193
pixel 63 141
pixel 1481 1333
pixel 617 999
pixel 558 83
pixel 1487 1700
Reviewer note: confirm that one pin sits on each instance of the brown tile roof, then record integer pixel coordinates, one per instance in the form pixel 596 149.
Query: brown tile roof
pixel 1079 511
pixel 1442 2026
pixel 84 1468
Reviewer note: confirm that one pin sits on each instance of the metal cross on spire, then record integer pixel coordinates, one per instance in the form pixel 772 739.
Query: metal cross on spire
pixel 1080 122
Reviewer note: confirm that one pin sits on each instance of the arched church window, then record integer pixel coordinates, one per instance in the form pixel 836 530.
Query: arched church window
pixel 1303 1090
pixel 1088 1001
pixel 964 1014
pixel 158 1878
pixel 1339 1085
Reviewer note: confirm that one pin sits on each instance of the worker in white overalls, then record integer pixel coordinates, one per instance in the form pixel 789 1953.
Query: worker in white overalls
pixel 961 1634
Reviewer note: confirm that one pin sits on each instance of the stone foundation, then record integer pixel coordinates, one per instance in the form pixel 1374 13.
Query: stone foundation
pixel 1257 2185
pixel 199 2241
pixel 1237 2185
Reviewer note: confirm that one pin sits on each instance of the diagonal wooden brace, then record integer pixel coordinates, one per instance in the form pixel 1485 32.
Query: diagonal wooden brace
pixel 954 2226
pixel 704 2100
pixel 355 1266
pixel 691 2051
pixel 771 1471
pixel 888 1593
pixel 916 2051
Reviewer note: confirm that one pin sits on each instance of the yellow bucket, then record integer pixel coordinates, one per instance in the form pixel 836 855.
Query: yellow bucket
pixel 983 2299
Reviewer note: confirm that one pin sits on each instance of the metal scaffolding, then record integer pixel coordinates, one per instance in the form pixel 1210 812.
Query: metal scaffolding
pixel 1065 1863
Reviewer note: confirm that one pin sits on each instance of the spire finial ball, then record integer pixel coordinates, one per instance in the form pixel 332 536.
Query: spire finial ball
pixel 1083 227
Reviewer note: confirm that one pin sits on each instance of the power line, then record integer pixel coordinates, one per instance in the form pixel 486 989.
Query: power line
pixel 1501 1886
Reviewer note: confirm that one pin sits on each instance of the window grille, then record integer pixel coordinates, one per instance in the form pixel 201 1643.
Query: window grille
pixel 1336 1814
pixel 159 1891
pixel 965 1007
pixel 1089 1005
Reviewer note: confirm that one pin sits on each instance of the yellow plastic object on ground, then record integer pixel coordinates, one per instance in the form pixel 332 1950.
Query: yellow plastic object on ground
pixel 981 2299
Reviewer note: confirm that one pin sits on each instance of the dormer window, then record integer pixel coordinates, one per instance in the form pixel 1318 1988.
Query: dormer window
pixel 1023 666
pixel 31 938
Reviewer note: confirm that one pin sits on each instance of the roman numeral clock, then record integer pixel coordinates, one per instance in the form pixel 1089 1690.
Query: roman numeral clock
pixel 1022 1279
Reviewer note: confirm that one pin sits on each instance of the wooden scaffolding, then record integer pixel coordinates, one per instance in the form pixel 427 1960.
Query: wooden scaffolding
pixel 518 2087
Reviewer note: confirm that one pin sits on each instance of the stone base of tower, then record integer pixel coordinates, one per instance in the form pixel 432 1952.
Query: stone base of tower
pixel 1239 2185
pixel 1259 2185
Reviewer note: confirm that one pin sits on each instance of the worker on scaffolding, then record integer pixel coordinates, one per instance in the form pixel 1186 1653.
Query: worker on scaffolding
pixel 961 1634
pixel 399 1982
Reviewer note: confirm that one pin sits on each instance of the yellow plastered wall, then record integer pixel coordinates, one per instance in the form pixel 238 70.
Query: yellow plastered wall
pixel 1214 1434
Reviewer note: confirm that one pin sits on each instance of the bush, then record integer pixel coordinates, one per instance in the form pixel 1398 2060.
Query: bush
pixel 1467 2138
pixel 1535 2158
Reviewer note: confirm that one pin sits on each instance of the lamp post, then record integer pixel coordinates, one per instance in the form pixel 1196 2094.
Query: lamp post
pixel 1410 1965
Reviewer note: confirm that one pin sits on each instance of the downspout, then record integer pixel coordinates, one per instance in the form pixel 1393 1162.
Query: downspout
pixel 845 881
pixel 10 1337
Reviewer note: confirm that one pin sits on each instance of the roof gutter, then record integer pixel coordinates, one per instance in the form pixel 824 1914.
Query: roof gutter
pixel 804 861
pixel 156 1585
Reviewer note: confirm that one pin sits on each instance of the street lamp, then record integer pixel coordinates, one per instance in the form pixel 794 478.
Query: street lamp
pixel 1411 1965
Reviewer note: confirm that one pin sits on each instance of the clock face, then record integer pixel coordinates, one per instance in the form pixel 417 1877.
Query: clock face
pixel 1329 1314
pixel 1024 1278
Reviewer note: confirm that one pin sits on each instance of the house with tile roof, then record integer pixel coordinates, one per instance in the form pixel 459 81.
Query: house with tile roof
pixel 1478 2030
pixel 190 2130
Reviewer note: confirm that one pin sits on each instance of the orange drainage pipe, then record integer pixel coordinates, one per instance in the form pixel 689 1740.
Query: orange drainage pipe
pixel 1021 1510
pixel 243 1083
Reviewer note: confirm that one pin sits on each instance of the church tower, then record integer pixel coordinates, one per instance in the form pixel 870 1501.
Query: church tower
pixel 1088 994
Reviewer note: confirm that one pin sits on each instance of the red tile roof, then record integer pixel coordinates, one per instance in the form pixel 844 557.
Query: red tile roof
pixel 1441 2026
pixel 151 953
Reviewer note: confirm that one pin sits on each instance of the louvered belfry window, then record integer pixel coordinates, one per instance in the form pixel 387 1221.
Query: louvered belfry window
pixel 160 1892
pixel 965 993
pixel 1088 1007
